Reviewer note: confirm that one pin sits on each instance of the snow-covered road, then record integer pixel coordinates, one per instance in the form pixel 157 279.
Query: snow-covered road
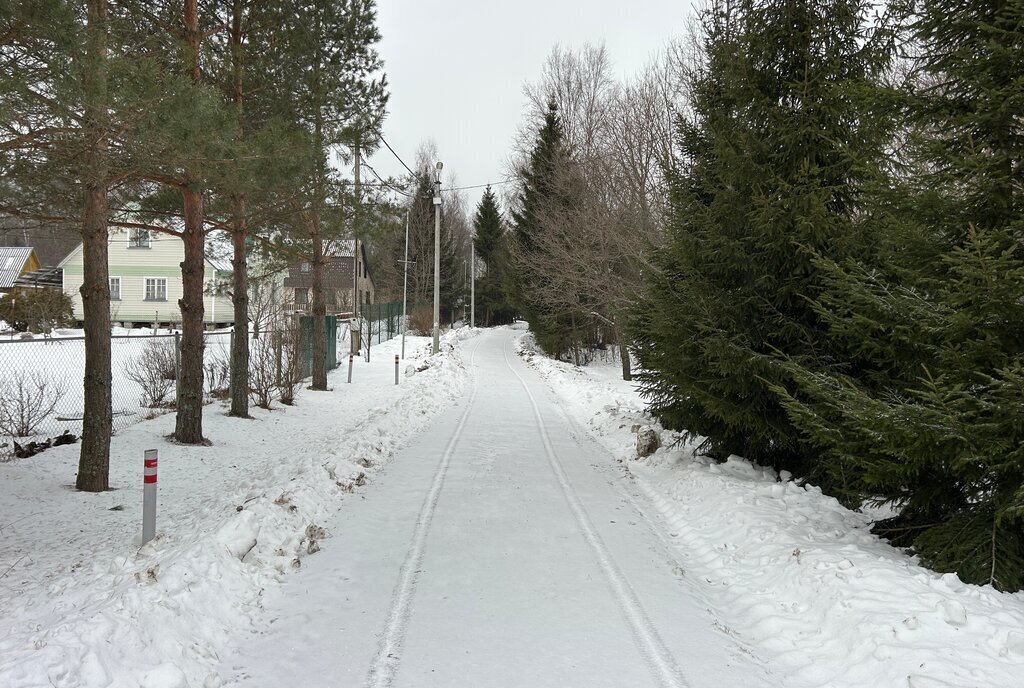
pixel 502 547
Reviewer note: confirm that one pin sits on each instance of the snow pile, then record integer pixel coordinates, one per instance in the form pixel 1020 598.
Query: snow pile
pixel 792 573
pixel 83 605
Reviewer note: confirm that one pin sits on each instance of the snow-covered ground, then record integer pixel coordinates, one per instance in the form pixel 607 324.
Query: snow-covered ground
pixel 484 523
pixel 81 604
pixel 793 574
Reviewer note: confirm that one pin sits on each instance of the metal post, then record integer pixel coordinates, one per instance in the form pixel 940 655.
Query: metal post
pixel 149 495
pixel 231 375
pixel 396 369
pixel 472 284
pixel 405 280
pixel 177 366
pixel 350 368
pixel 437 261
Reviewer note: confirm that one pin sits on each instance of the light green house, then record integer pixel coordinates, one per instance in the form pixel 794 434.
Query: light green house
pixel 145 280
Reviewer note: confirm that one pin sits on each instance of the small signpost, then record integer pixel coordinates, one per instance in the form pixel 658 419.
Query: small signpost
pixel 396 369
pixel 350 368
pixel 149 496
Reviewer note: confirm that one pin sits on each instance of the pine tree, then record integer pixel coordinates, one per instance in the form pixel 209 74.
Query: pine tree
pixel 58 112
pixel 928 418
pixel 489 241
pixel 773 167
pixel 333 71
pixel 539 197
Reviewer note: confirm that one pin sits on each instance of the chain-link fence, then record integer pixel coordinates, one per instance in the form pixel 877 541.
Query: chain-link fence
pixel 42 378
pixel 42 382
pixel 381 321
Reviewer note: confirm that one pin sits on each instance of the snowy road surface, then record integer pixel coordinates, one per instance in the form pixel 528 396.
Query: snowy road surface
pixel 501 548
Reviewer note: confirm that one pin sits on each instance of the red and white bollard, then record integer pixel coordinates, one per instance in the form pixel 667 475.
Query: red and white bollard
pixel 350 368
pixel 396 369
pixel 149 496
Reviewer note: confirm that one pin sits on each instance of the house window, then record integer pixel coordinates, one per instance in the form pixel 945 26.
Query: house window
pixel 304 267
pixel 115 288
pixel 360 296
pixel 156 289
pixel 301 296
pixel 366 273
pixel 138 238
pixel 367 298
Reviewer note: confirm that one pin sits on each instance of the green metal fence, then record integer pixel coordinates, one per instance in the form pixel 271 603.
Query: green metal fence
pixel 306 346
pixel 384 320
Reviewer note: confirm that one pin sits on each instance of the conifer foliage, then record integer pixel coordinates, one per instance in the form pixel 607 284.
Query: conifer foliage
pixel 492 251
pixel 771 172
pixel 929 419
pixel 539 195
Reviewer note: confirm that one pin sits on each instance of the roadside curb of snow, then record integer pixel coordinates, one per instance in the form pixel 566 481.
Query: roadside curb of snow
pixel 794 574
pixel 158 619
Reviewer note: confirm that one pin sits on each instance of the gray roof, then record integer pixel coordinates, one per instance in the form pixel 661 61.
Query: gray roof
pixel 43 277
pixel 12 262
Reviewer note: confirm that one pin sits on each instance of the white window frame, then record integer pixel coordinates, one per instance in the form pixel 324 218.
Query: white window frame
pixel 134 231
pixel 120 287
pixel 145 288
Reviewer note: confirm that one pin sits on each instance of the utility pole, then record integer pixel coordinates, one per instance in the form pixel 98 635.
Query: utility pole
pixel 405 279
pixel 437 259
pixel 355 234
pixel 472 284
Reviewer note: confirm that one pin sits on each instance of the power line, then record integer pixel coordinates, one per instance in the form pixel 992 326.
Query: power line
pixel 386 184
pixel 479 186
pixel 385 142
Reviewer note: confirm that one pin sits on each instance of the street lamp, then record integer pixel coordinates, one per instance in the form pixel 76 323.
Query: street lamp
pixel 405 279
pixel 437 259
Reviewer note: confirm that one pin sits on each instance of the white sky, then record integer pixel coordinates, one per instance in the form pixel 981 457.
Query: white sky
pixel 457 67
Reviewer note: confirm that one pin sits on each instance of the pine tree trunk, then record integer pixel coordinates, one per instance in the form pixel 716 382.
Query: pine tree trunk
pixel 240 290
pixel 94 459
pixel 188 427
pixel 240 300
pixel 319 311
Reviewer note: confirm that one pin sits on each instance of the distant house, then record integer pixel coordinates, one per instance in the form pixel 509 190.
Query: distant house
pixel 145 280
pixel 343 276
pixel 15 262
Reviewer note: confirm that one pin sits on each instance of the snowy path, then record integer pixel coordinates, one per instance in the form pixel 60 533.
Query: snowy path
pixel 501 548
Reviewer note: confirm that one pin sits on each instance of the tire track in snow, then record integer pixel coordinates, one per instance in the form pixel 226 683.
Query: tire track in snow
pixel 385 662
pixel 653 649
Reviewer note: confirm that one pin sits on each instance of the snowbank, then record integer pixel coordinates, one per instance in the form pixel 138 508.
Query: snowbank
pixel 83 605
pixel 792 573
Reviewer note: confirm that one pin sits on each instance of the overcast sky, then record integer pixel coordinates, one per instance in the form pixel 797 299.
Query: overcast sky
pixel 457 67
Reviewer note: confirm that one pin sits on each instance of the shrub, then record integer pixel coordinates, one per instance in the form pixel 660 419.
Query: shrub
pixel 421 320
pixel 37 310
pixel 26 400
pixel 154 371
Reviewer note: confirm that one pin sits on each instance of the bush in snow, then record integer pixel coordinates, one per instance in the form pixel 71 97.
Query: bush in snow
pixel 154 371
pixel 26 400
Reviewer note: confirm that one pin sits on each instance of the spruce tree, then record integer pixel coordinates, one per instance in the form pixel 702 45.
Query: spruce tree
pixel 928 417
pixel 538 198
pixel 489 241
pixel 773 164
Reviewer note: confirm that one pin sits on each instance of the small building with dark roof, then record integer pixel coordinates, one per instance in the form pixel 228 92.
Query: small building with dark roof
pixel 344 275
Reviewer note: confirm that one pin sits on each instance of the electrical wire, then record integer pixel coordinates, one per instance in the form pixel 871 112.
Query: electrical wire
pixel 385 142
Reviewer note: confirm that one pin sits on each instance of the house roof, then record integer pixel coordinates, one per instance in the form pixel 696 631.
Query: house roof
pixel 12 263
pixel 43 277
